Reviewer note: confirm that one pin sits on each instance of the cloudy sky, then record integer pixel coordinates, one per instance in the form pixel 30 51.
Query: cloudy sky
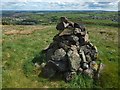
pixel 109 5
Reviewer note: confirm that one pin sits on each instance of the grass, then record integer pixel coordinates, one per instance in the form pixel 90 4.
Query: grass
pixel 19 51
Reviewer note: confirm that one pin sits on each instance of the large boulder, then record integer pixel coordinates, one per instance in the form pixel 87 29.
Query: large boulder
pixel 74 58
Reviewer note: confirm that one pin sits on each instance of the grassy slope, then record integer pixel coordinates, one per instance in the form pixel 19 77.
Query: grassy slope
pixel 20 50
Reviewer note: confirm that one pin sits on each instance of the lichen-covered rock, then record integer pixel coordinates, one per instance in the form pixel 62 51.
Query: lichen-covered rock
pixel 59 54
pixel 93 65
pixel 74 59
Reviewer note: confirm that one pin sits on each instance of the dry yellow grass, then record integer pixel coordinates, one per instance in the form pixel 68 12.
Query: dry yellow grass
pixel 26 30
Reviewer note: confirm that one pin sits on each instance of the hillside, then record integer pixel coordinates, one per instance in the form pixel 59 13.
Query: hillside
pixel 23 43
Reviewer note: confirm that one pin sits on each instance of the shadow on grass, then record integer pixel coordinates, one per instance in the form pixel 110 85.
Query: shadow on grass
pixel 39 58
pixel 31 70
pixel 29 66
pixel 34 73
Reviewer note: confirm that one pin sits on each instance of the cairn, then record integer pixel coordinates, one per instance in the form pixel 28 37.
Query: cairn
pixel 71 52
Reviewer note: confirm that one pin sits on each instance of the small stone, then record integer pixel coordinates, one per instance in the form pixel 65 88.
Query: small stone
pixel 37 65
pixel 69 76
pixel 83 55
pixel 80 70
pixel 43 65
pixel 77 31
pixel 93 65
pixel 73 38
pixel 86 37
pixel 88 58
pixel 85 66
pixel 88 72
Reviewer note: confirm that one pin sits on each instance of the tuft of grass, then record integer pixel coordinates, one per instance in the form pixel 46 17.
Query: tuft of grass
pixel 81 81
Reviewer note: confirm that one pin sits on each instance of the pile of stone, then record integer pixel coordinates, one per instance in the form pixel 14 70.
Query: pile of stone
pixel 71 52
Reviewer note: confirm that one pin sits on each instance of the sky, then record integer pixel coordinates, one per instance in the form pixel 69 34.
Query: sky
pixel 108 5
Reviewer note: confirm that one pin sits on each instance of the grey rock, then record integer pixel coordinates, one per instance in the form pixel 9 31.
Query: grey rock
pixel 88 72
pixel 61 66
pixel 73 48
pixel 88 58
pixel 93 65
pixel 66 32
pixel 90 50
pixel 77 31
pixel 83 55
pixel 80 70
pixel 69 76
pixel 37 65
pixel 74 59
pixel 73 38
pixel 59 54
pixel 49 70
pixel 49 53
pixel 43 65
pixel 65 45
pixel 71 52
pixel 60 26
pixel 85 66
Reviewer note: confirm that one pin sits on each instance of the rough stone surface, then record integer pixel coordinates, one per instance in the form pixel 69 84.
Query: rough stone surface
pixel 74 59
pixel 71 52
pixel 59 54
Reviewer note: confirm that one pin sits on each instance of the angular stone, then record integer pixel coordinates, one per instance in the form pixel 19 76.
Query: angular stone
pixel 85 66
pixel 77 31
pixel 59 54
pixel 49 70
pixel 69 76
pixel 88 72
pixel 60 26
pixel 81 52
pixel 43 65
pixel 73 38
pixel 90 50
pixel 88 58
pixel 74 59
pixel 80 70
pixel 61 65
pixel 66 32
pixel 49 53
pixel 86 37
pixel 93 65
pixel 74 48
pixel 64 45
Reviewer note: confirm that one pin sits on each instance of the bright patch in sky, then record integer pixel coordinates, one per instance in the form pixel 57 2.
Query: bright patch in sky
pixel 60 5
